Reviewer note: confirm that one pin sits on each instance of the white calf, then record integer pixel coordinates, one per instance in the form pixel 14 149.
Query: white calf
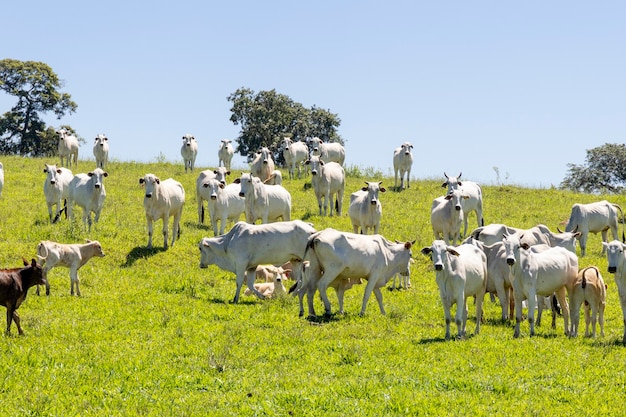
pixel 294 153
pixel 201 196
pixel 589 290
pixel 328 180
pixel 474 202
pixel 365 209
pixel 446 216
pixel 56 188
pixel 224 203
pixel 402 163
pixel 265 202
pixel 101 151
pixel 189 151
pixel 68 147
pixel 162 200
pixel 225 153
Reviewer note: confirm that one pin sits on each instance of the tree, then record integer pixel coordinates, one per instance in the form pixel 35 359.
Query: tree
pixel 266 117
pixel 36 87
pixel 604 170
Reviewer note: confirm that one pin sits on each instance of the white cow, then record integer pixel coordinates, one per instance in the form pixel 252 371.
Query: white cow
pixel 189 151
pixel 461 272
pixel 1 178
pixel 295 153
pixel 265 202
pixel 56 188
pixel 328 180
pixel 446 216
pixel 247 246
pixel 402 163
pixel 262 165
pixel 551 270
pixel 101 151
pixel 276 178
pixel 589 290
pixel 224 203
pixel 162 200
pixel 219 174
pixel 88 192
pixel 473 203
pixel 617 265
pixel 225 153
pixel 365 209
pixel 540 234
pixel 68 147
pixel 328 151
pixel 402 279
pixel 72 256
pixel 333 254
pixel 594 217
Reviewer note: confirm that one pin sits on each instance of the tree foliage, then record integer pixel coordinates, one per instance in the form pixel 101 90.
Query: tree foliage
pixel 36 87
pixel 266 117
pixel 604 170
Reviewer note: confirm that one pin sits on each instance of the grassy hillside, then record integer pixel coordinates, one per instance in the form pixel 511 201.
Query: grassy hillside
pixel 153 334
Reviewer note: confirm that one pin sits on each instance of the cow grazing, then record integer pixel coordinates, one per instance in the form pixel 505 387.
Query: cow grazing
pixel 617 266
pixel 72 256
pixel 328 180
pixel 294 153
pixel 543 272
pixel 594 217
pixel 14 285
pixel 189 151
pixel 201 195
pixel 328 151
pixel 333 254
pixel 56 188
pixel 262 165
pixel 247 246
pixel 461 272
pixel 225 153
pixel 224 203
pixel 68 147
pixel 265 202
pixel 88 192
pixel 589 290
pixel 446 216
pixel 473 203
pixel 162 200
pixel 365 209
pixel 101 151
pixel 402 163
pixel 1 178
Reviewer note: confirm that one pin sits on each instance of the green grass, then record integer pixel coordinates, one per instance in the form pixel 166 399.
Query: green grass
pixel 153 334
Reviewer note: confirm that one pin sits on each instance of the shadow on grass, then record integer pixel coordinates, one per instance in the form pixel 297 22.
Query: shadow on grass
pixel 198 226
pixel 323 319
pixel 140 252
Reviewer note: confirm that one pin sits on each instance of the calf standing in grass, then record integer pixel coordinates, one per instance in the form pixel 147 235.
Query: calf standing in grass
pixel 14 285
pixel 189 151
pixel 589 290
pixel 365 209
pixel 71 256
pixel 101 151
pixel 56 188
pixel 163 199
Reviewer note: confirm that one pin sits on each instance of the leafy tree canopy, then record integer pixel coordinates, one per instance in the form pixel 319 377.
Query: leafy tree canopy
pixel 604 170
pixel 36 88
pixel 266 117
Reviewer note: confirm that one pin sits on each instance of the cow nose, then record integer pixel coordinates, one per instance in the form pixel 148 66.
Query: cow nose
pixel 52 182
pixel 612 269
pixel 148 195
pixel 242 195
pixel 97 185
pixel 223 182
pixel 213 197
pixel 510 261
pixel 438 267
pixel 458 208
pixel 406 153
pixel 313 172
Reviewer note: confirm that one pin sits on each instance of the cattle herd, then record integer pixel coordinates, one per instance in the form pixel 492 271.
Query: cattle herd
pixel 519 266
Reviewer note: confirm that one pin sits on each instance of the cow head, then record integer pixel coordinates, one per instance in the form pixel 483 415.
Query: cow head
pixel 615 256
pixel 452 182
pixel 149 182
pixel 220 174
pixel 246 181
pixel 316 164
pixel 188 139
pixel 512 245
pixel 97 177
pixel 438 254
pixel 101 140
pixel 372 189
pixel 406 148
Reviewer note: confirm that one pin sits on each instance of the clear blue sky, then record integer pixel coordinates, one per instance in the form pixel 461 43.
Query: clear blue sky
pixel 525 87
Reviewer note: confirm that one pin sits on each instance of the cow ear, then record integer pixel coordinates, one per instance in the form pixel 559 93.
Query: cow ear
pixel 525 246
pixel 444 185
pixel 141 180
pixel 427 250
pixel 407 245
pixel 158 181
pixel 237 181
pixel 90 174
pixel 106 174
pixel 59 170
pixel 25 261
pixel 45 170
pixel 307 162
pixel 459 182
pixel 221 185
pixel 448 197
pixel 364 189
pixel 227 172
pixel 452 251
pixel 383 189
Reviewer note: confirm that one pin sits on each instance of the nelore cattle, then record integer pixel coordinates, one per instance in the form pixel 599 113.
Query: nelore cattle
pixel 539 273
pixel 1 178
pixel 295 153
pixel 56 189
pixel 589 290
pixel 88 192
pixel 72 256
pixel 328 151
pixel 333 254
pixel 402 163
pixel 365 209
pixel 14 285
pixel 446 216
pixel 262 165
pixel 247 246
pixel 617 266
pixel 101 151
pixel 593 218
pixel 224 203
pixel 460 272
pixel 225 153
pixel 189 151
pixel 474 202
pixel 201 196
pixel 328 180
pixel 68 147
pixel 266 202
pixel 162 200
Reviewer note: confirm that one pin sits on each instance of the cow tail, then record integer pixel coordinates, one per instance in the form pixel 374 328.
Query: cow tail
pixel 65 208
pixel 202 215
pixel 336 204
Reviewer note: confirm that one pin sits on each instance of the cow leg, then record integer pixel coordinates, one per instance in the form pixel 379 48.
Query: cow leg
pixel 371 283
pixel 532 306
pixel 16 319
pixel 561 296
pixel 150 227
pixel 461 311
pixel 328 277
pixel 74 281
pixel 10 310
pixel 583 243
pixel 250 277
pixel 176 226
pixel 504 299
pixel 200 209
pixel 479 309
pixel 379 298
pixel 539 313
pixel 165 220
pixel 575 317
pixel 601 318
pixel 45 276
pixel 590 317
pixel 517 296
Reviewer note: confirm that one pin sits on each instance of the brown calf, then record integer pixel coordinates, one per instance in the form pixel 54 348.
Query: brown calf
pixel 14 285
pixel 590 290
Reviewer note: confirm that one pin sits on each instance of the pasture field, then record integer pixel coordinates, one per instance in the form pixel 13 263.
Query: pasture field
pixel 153 334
